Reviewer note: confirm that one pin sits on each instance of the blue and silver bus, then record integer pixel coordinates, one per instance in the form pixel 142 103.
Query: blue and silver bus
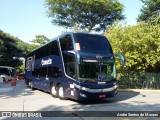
pixel 79 66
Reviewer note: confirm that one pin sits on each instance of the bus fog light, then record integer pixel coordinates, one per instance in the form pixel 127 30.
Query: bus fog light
pixel 83 95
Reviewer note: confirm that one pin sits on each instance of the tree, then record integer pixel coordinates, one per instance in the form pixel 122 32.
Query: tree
pixel 139 44
pixel 91 15
pixel 38 41
pixel 11 49
pixel 2 50
pixel 155 19
pixel 150 8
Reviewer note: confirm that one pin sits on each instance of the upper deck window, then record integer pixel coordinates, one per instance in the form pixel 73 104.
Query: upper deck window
pixel 66 43
pixel 91 43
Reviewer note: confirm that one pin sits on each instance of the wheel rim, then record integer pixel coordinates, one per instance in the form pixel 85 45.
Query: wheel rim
pixel 30 84
pixel 53 90
pixel 61 91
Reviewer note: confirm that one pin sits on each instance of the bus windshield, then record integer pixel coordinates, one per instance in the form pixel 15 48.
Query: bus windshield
pixel 90 43
pixel 102 71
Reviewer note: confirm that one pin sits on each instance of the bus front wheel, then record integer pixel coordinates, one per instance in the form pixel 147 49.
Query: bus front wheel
pixel 60 93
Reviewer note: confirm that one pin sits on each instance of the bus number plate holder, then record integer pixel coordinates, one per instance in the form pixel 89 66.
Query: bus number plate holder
pixel 102 96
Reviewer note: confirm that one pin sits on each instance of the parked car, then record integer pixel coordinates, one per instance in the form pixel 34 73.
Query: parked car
pixel 20 77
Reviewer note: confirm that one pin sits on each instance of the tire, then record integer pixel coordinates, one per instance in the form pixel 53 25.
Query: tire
pixel 31 85
pixel 27 82
pixel 60 93
pixel 53 91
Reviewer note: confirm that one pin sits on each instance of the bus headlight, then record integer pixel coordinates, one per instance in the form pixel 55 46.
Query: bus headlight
pixel 83 95
pixel 84 88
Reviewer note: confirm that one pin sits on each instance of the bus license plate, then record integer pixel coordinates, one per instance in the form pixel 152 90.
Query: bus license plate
pixel 102 96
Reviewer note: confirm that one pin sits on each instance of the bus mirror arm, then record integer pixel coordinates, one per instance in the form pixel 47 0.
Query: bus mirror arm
pixel 121 57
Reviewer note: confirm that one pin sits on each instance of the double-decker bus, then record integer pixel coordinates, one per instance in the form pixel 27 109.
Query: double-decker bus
pixel 79 66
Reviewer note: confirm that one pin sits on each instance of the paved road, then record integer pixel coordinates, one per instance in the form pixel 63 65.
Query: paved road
pixel 21 98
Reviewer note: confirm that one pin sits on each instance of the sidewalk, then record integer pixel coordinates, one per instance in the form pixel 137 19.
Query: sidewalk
pixel 138 90
pixel 7 87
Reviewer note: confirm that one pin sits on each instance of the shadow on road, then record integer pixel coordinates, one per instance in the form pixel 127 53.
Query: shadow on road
pixel 121 96
pixel 22 90
pixel 8 91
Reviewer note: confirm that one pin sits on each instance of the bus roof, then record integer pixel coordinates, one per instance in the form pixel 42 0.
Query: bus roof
pixel 56 38
pixel 42 45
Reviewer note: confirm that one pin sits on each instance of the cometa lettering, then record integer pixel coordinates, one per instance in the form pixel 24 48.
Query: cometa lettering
pixel 46 62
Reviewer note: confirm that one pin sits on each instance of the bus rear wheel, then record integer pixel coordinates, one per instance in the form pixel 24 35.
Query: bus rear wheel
pixel 60 93
pixel 53 91
pixel 31 85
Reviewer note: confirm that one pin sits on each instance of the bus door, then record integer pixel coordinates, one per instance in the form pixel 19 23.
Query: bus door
pixel 29 67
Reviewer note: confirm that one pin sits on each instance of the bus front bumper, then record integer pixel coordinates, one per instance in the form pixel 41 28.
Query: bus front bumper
pixel 92 94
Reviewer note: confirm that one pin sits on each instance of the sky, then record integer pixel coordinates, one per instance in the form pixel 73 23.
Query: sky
pixel 27 18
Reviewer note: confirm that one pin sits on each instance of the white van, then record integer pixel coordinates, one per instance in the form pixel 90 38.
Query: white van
pixel 6 72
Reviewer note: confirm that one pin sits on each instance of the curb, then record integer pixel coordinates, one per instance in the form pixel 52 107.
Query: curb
pixel 137 90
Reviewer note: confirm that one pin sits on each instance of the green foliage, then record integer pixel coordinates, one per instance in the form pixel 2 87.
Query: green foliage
pixel 38 41
pixel 32 47
pixel 11 49
pixel 139 44
pixel 155 19
pixel 91 15
pixel 150 8
pixel 2 50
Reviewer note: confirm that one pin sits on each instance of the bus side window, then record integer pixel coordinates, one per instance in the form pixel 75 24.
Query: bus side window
pixel 54 47
pixel 47 50
pixel 66 43
pixel 54 72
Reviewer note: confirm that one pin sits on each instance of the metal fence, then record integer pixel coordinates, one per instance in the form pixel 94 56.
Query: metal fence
pixel 138 80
